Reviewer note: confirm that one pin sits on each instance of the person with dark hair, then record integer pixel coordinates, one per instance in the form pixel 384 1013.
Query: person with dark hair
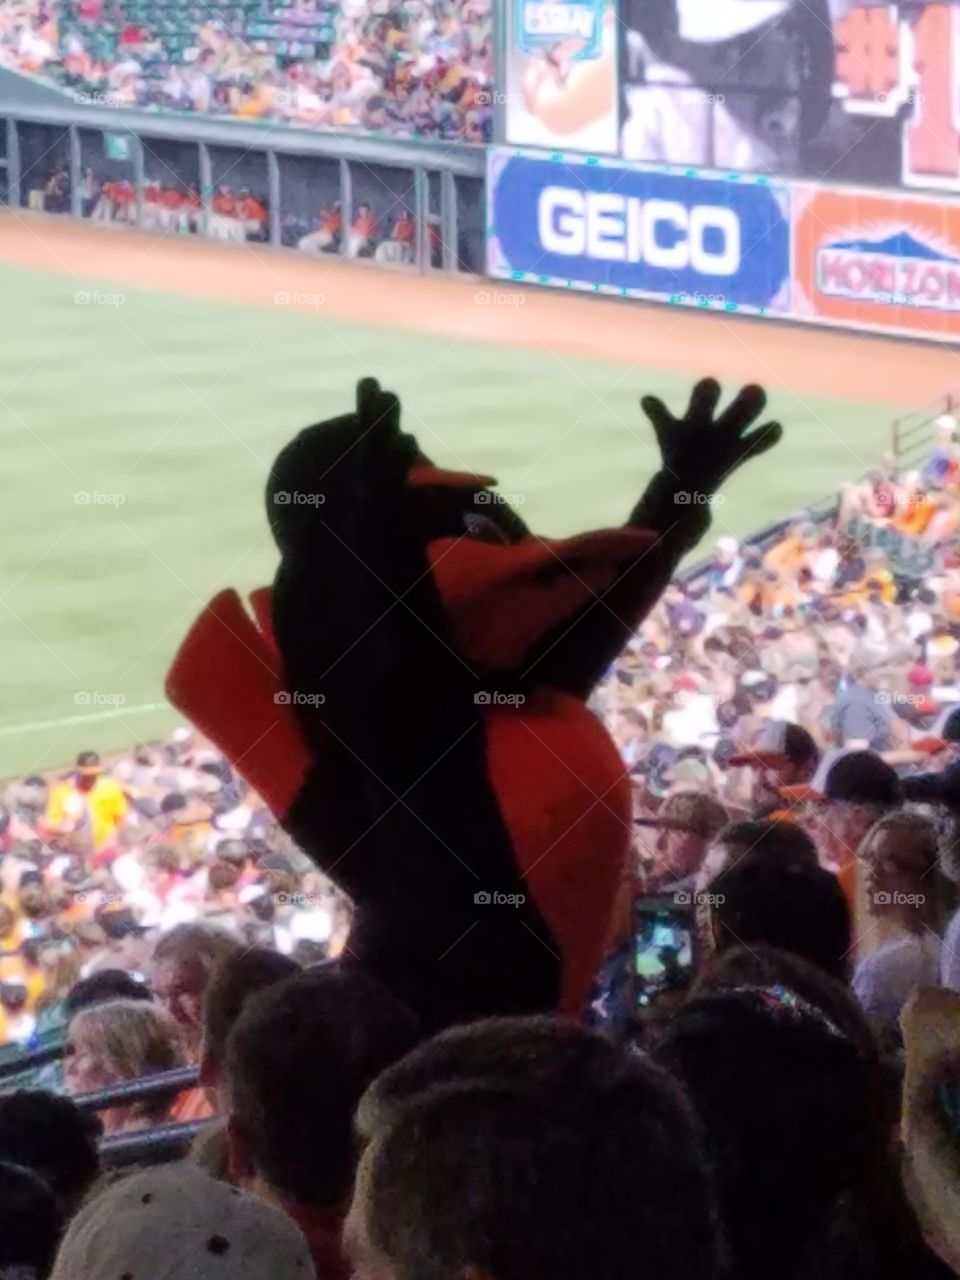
pixel 851 790
pixel 55 1139
pixel 297 1063
pixel 756 838
pixel 233 982
pixel 102 987
pixel 30 1224
pixel 525 1149
pixel 785 903
pixel 798 1126
pixel 763 966
pixel 782 755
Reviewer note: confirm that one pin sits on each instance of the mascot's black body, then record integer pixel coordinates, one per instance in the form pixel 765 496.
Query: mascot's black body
pixel 410 699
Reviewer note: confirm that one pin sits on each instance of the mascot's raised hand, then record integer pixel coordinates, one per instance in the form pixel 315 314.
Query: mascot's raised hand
pixel 703 447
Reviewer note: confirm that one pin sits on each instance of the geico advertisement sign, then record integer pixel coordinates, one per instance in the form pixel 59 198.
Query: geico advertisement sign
pixel 662 233
pixel 635 231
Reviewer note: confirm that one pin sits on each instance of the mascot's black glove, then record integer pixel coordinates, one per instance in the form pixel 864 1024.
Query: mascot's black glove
pixel 699 451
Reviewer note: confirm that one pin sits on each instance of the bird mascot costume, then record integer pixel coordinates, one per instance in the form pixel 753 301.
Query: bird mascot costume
pixel 410 698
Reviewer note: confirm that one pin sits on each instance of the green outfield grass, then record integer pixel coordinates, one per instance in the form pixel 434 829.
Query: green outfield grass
pixel 178 406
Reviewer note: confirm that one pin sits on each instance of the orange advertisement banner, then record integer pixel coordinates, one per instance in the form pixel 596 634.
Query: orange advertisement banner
pixel 875 261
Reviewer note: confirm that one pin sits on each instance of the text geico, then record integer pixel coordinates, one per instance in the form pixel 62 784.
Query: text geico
pixel 661 233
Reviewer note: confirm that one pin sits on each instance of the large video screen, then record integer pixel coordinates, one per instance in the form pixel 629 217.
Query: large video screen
pixel 403 68
pixel 832 90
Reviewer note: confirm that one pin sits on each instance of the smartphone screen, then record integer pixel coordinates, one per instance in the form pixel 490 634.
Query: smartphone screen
pixel 663 949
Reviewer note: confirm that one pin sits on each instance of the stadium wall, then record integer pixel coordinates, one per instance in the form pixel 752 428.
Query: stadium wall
pixel 855 258
pixel 813 177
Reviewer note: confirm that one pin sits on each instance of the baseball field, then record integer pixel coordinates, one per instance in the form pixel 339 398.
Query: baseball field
pixel 146 385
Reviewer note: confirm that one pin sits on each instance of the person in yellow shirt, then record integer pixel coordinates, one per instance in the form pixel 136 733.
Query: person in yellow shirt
pixel 88 803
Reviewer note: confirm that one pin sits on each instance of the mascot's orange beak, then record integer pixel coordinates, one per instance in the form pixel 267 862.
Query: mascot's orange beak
pixel 425 475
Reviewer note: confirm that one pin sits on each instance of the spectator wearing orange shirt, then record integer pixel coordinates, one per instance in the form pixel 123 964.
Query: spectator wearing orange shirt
pixel 327 236
pixel 362 232
pixel 403 229
pixel 225 203
pixel 914 508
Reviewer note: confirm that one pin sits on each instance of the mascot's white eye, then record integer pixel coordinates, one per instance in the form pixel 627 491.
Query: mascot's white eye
pixel 483 528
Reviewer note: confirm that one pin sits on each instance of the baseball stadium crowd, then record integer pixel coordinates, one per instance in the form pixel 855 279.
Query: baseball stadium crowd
pixel 789 1107
pixel 417 68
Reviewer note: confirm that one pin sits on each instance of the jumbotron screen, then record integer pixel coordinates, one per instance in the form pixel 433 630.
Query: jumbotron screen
pixel 841 91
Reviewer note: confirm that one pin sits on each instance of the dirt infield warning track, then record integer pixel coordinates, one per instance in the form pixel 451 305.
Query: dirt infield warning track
pixel 807 361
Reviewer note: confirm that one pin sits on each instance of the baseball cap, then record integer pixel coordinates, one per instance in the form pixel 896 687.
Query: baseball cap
pixel 851 777
pixel 779 743
pixel 920 676
pixel 686 682
pixel 175 1222
pixel 692 811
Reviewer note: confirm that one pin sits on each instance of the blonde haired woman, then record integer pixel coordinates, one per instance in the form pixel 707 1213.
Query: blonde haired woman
pixel 906 896
pixel 119 1041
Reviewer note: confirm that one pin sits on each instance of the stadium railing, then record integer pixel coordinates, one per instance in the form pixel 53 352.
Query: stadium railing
pixel 151 1145
pixel 912 433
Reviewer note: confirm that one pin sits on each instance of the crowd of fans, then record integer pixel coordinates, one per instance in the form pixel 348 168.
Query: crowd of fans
pixel 98 862
pixel 412 68
pixel 783 1100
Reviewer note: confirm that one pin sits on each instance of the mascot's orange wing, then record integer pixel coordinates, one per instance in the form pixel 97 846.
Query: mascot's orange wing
pixel 227 680
pixel 502 599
